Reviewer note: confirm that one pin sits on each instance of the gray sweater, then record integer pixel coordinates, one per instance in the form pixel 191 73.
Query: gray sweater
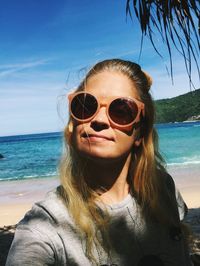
pixel 48 236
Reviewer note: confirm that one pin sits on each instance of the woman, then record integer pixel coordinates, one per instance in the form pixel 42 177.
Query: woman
pixel 116 205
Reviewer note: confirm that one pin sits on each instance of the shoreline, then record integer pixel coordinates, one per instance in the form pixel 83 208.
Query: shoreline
pixel 18 196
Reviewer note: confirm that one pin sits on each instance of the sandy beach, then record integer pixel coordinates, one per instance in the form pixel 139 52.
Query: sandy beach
pixel 187 180
pixel 17 197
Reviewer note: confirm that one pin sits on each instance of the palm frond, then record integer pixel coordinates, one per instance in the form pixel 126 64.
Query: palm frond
pixel 177 22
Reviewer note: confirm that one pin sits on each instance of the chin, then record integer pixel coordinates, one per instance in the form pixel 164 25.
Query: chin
pixel 105 158
pixel 102 160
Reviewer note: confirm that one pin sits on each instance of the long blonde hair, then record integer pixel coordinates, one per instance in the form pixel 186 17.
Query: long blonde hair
pixel 147 174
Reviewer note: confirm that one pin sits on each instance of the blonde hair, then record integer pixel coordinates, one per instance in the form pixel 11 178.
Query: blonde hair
pixel 147 174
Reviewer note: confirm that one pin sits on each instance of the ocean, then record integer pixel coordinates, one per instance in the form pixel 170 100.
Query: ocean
pixel 38 155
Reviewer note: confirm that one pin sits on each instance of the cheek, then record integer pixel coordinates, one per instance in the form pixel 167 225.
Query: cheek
pixel 76 134
pixel 125 142
pixel 77 141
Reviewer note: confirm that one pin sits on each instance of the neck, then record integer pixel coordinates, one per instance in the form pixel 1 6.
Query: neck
pixel 109 180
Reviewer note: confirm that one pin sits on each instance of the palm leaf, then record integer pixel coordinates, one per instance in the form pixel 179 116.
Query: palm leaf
pixel 176 21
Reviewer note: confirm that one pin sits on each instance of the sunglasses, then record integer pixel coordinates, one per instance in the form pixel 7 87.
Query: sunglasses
pixel 121 111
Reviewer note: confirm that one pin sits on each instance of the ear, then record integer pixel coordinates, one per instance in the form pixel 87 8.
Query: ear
pixel 138 135
pixel 139 132
pixel 70 127
pixel 68 132
pixel 138 141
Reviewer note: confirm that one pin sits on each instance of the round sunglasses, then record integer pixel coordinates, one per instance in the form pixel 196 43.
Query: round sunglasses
pixel 121 111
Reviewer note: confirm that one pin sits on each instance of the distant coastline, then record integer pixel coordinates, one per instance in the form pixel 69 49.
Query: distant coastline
pixel 194 118
pixel 175 123
pixel 182 108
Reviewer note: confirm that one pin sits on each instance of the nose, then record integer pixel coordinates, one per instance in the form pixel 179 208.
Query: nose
pixel 100 121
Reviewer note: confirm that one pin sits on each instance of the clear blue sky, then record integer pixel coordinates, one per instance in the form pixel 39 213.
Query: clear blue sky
pixel 44 46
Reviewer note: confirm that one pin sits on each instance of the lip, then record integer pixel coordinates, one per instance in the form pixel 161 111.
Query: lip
pixel 97 137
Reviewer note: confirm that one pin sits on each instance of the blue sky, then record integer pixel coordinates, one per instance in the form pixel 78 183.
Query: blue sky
pixel 45 47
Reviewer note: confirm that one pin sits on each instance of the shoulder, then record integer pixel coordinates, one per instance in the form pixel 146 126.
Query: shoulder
pixel 48 213
pixel 37 238
pixel 168 181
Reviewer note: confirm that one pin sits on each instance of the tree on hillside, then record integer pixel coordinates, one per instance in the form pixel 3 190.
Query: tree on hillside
pixel 177 22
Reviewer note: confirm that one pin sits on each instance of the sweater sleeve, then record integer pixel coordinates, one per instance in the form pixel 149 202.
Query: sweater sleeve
pixel 30 247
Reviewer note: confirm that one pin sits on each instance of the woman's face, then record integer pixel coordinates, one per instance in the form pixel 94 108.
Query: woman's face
pixel 98 139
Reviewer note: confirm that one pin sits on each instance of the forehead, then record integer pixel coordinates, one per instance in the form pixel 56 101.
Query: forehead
pixel 108 84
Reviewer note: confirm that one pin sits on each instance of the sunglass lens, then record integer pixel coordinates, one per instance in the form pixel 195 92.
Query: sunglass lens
pixel 83 106
pixel 123 111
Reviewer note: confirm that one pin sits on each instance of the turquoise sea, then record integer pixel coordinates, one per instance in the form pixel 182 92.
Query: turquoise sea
pixel 37 155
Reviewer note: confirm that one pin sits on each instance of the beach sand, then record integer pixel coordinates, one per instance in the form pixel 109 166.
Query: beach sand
pixel 187 181
pixel 17 197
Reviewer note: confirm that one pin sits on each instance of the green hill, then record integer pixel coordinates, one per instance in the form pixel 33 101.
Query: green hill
pixel 178 109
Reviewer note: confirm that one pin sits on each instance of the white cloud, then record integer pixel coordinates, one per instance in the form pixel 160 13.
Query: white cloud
pixel 8 69
pixel 162 83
